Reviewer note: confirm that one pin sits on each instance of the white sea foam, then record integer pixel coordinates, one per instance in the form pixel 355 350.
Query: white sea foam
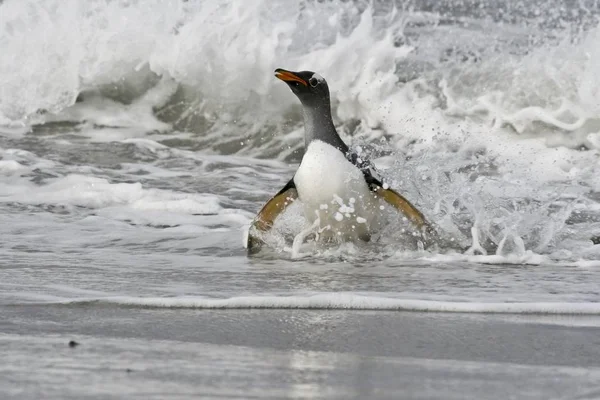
pixel 529 258
pixel 223 50
pixel 348 301
pixel 85 191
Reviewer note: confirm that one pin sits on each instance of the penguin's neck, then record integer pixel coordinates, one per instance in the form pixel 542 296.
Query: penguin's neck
pixel 318 125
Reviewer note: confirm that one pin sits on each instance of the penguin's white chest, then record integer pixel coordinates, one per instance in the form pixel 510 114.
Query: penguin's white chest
pixel 334 190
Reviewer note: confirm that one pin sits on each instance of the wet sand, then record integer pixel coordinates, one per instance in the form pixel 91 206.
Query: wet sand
pixel 127 352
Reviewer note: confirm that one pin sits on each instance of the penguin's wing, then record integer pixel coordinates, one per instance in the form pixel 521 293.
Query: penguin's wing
pixel 389 195
pixel 266 217
pixel 400 203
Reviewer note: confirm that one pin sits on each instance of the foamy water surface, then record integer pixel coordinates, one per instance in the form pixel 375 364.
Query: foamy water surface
pixel 138 140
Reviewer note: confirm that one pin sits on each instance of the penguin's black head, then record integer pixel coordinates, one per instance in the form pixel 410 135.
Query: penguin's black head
pixel 310 87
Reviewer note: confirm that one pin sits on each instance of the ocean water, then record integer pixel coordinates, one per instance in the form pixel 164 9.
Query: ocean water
pixel 138 139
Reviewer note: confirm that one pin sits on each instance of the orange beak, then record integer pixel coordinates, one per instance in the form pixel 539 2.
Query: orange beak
pixel 288 76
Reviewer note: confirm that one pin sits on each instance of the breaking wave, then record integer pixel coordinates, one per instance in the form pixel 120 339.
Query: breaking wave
pixel 347 301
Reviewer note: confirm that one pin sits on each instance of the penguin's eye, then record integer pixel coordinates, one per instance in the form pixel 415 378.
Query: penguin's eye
pixel 313 82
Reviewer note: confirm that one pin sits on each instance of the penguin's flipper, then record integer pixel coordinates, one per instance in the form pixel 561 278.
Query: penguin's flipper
pixel 400 203
pixel 266 217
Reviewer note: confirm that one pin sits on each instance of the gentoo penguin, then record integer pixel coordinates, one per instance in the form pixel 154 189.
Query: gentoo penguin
pixel 338 190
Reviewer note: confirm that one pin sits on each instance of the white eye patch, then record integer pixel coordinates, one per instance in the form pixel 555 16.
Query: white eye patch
pixel 315 80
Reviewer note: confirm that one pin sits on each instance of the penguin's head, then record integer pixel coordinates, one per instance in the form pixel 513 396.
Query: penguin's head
pixel 309 86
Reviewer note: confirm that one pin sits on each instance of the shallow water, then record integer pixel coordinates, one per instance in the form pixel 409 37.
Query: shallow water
pixel 139 139
pixel 318 354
